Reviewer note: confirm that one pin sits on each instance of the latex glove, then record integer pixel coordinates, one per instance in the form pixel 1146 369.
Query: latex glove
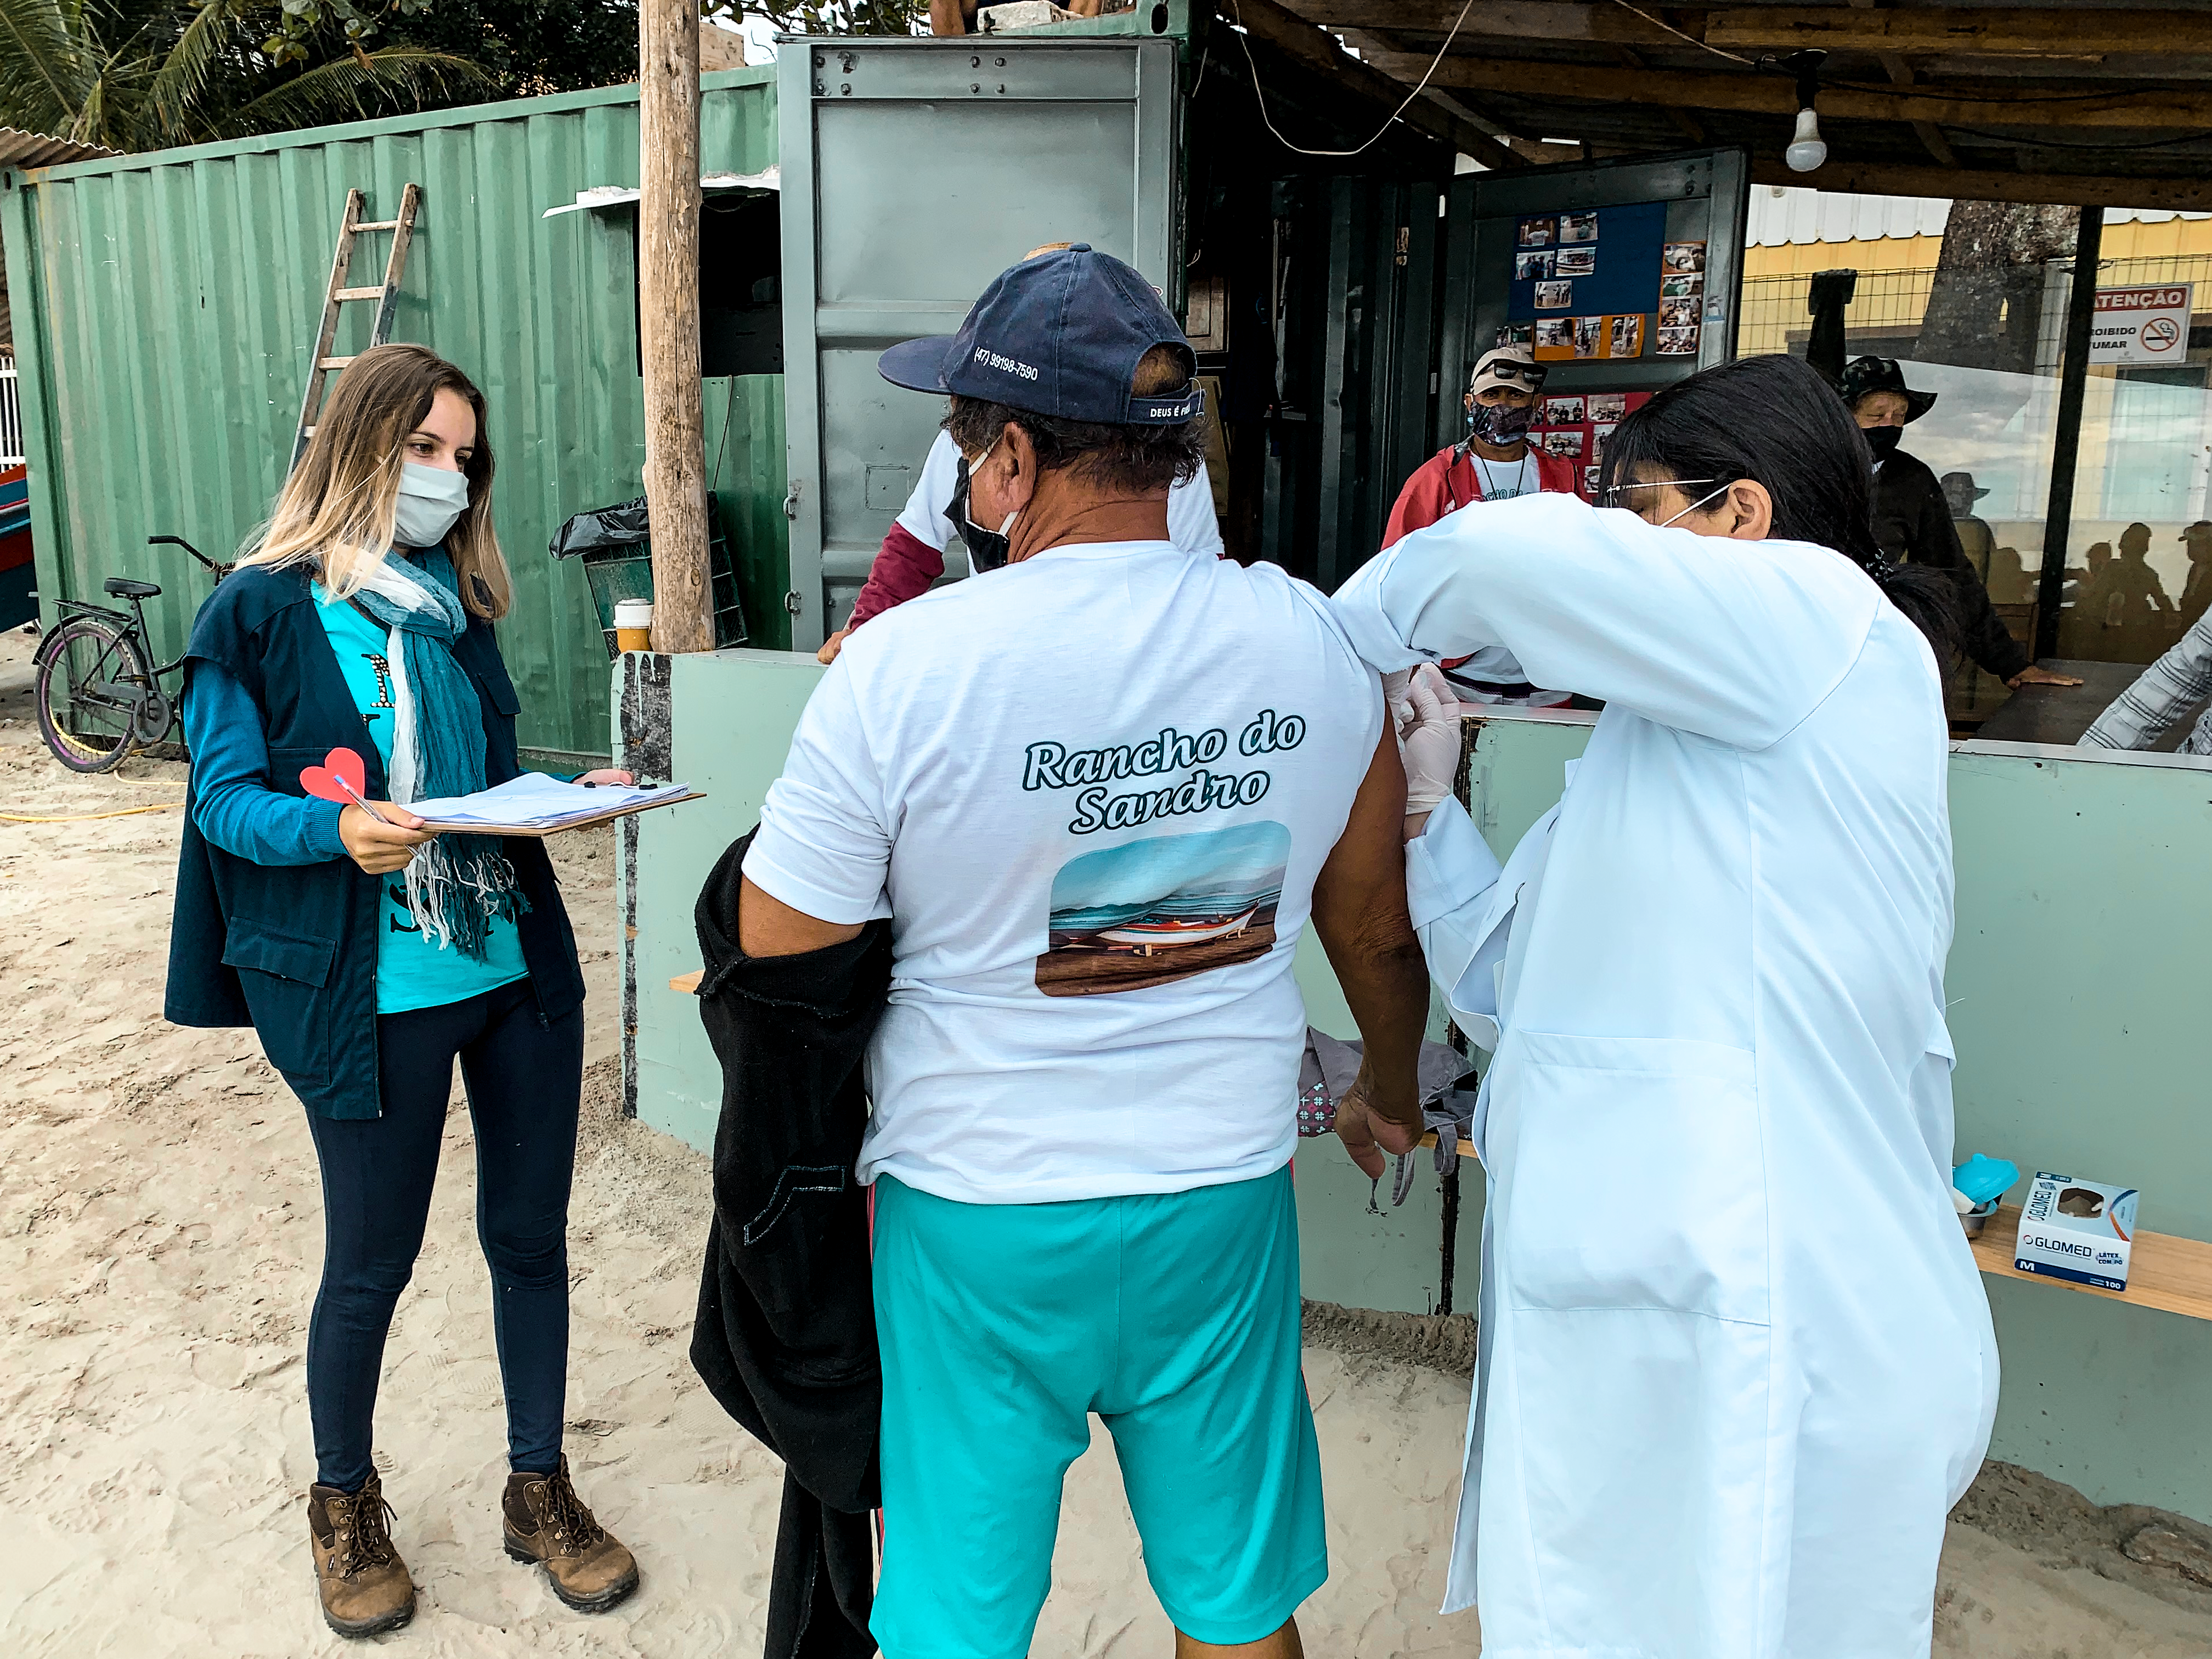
pixel 1425 715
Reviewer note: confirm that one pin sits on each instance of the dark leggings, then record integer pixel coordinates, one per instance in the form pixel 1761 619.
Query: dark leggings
pixel 524 1079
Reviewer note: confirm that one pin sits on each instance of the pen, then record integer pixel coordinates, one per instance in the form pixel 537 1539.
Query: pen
pixel 361 803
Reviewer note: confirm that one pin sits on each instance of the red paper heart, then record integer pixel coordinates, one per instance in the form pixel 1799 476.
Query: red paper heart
pixel 340 769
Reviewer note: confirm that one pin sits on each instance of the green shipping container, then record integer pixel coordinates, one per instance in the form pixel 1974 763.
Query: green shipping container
pixel 165 305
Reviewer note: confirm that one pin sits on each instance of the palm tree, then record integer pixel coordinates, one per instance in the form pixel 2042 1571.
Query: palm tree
pixel 144 74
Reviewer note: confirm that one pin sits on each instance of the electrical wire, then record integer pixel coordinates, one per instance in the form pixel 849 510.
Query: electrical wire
pixel 1659 23
pixel 1245 35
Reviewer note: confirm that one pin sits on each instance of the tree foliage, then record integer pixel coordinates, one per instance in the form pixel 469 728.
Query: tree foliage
pixel 836 17
pixel 530 47
pixel 143 73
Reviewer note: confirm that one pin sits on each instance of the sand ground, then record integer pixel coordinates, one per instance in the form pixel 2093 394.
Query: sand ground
pixel 159 1244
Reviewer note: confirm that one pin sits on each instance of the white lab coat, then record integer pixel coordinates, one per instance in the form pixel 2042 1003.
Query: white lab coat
pixel 1737 1362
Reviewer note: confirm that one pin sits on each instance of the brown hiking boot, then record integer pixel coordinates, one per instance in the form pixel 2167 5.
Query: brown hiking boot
pixel 547 1523
pixel 363 1582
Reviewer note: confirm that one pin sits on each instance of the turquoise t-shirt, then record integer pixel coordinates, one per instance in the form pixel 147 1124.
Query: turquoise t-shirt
pixel 411 971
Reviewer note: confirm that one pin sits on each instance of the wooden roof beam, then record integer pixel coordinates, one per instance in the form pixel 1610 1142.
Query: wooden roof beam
pixel 1510 20
pixel 1315 48
pixel 1900 74
pixel 2062 34
pixel 1370 47
pixel 1685 123
pixel 2064 189
pixel 1743 93
pixel 2078 33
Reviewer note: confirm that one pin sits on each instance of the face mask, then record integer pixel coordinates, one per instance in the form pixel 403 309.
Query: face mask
pixel 1699 502
pixel 1882 440
pixel 431 500
pixel 1501 423
pixel 986 548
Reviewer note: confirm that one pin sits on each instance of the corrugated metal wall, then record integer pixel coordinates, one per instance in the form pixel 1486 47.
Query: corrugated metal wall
pixel 166 305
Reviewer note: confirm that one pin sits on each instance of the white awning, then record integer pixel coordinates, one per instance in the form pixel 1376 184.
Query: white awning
pixel 607 196
pixel 1783 214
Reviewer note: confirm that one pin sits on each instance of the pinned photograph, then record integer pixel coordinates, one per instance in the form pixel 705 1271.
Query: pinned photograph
pixel 1678 313
pixel 1554 332
pixel 1534 267
pixel 1538 233
pixel 1577 262
pixel 1569 444
pixel 1513 334
pixel 1628 336
pixel 1554 296
pixel 1589 337
pixel 1562 411
pixel 1687 286
pixel 1599 434
pixel 1609 405
pixel 1678 342
pixel 1578 228
pixel 1154 911
pixel 1589 480
pixel 1682 258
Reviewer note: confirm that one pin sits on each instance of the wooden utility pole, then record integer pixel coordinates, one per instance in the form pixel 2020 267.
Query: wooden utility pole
pixel 668 322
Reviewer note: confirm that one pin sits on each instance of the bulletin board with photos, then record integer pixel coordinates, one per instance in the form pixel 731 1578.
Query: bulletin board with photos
pixel 1620 277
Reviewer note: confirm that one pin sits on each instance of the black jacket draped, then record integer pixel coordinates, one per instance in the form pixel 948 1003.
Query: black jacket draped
pixel 786 1334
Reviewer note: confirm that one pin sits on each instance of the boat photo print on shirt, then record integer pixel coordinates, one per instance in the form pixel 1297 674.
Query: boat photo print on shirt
pixel 1161 909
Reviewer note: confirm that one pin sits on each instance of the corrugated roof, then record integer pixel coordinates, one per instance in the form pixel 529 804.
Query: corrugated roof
pixel 19 149
pixel 1782 214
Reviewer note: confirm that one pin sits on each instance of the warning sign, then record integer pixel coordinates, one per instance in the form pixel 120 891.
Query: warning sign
pixel 2142 324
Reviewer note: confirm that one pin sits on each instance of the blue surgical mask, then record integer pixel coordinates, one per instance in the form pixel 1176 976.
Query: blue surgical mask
pixel 431 500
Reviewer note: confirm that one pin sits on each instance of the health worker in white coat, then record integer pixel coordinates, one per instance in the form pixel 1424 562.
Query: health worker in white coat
pixel 1736 1362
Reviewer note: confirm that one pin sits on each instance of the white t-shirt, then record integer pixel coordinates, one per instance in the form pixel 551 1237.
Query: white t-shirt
pixel 1502 481
pixel 1191 523
pixel 1079 790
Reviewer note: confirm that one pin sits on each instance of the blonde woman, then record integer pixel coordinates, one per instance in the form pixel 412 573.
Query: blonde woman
pixel 369 954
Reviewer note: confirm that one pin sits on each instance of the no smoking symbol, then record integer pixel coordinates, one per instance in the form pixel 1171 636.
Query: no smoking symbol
pixel 2160 334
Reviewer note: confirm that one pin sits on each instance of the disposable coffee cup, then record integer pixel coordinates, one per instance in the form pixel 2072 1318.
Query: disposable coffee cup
pixel 633 624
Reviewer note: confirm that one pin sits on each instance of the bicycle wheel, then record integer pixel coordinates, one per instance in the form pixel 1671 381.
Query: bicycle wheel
pixel 92 685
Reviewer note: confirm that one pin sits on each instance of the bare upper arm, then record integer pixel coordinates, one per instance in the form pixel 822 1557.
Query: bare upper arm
pixel 1359 898
pixel 767 926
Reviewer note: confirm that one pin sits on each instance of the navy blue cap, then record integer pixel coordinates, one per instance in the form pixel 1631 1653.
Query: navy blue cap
pixel 1059 335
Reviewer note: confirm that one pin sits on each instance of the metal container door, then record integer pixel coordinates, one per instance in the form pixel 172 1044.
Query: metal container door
pixel 914 170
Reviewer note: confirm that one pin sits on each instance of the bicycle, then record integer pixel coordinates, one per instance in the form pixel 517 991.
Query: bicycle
pixel 98 688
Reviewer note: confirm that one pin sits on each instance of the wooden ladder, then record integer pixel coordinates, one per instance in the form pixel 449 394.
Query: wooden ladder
pixel 386 294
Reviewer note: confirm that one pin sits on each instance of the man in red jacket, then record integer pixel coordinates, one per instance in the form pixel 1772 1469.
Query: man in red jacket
pixel 1495 461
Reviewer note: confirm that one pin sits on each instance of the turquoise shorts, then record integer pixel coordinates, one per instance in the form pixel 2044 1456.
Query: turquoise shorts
pixel 1173 1317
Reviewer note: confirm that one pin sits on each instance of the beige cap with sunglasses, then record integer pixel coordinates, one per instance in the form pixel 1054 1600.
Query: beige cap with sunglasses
pixel 1508 366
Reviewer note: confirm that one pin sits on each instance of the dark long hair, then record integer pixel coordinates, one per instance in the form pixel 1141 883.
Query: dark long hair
pixel 1774 422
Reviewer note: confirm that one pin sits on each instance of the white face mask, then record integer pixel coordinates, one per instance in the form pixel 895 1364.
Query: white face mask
pixel 1699 502
pixel 431 500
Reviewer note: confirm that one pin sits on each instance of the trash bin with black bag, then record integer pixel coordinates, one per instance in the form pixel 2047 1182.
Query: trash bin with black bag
pixel 616 546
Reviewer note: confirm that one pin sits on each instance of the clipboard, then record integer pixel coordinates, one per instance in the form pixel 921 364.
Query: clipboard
pixel 540 832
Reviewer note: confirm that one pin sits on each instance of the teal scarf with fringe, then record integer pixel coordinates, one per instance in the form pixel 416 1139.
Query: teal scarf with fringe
pixel 456 884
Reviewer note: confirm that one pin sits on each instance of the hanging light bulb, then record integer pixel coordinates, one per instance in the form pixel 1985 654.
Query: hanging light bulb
pixel 1807 151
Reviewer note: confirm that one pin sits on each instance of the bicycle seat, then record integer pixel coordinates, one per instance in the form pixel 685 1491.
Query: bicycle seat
pixel 122 587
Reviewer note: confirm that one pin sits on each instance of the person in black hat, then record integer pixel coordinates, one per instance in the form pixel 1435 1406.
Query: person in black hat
pixel 1097 791
pixel 1913 520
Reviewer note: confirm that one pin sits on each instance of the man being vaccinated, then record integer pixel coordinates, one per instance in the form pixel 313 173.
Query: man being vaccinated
pixel 1083 1087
